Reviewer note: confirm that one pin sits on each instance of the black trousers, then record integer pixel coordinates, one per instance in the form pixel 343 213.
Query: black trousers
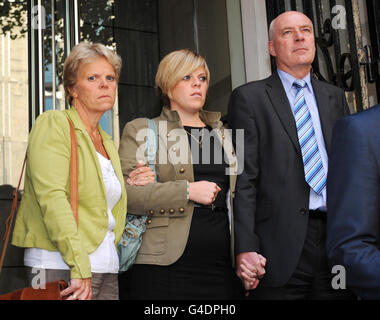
pixel 312 279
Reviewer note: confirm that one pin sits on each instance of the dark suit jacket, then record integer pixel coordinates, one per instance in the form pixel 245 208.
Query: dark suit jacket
pixel 353 225
pixel 272 197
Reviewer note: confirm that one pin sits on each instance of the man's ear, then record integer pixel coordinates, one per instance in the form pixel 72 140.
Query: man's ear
pixel 271 48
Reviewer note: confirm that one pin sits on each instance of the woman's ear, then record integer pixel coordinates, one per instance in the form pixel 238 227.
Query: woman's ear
pixel 72 93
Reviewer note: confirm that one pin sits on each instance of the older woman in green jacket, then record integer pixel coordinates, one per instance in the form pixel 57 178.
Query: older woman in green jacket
pixel 84 254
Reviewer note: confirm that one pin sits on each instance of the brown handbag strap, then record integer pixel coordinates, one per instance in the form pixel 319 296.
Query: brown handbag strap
pixel 9 221
pixel 73 172
pixel 73 191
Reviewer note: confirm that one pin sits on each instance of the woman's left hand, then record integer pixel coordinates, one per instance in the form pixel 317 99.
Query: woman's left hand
pixel 141 176
pixel 79 289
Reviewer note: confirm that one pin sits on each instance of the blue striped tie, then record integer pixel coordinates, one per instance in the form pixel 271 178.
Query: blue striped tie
pixel 314 173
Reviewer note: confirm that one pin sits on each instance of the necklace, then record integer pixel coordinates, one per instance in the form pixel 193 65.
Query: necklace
pixel 199 141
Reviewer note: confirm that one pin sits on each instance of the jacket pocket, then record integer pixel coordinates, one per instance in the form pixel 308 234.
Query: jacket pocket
pixel 154 238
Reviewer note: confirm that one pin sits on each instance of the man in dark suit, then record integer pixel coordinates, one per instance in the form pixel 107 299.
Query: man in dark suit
pixel 353 226
pixel 280 206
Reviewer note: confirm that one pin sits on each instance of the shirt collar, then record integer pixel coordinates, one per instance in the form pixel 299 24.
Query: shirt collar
pixel 288 80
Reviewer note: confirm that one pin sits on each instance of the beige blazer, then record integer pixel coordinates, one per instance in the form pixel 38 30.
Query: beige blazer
pixel 165 201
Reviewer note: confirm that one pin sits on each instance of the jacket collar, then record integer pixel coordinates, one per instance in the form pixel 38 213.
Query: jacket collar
pixel 210 118
pixel 280 102
pixel 78 123
pixel 108 143
pixel 323 97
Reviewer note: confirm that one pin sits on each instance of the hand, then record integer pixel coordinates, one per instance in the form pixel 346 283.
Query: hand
pixel 79 289
pixel 203 192
pixel 141 176
pixel 250 268
pixel 249 276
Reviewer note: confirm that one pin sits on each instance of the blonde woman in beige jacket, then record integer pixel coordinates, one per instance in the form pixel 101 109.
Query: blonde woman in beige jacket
pixel 187 249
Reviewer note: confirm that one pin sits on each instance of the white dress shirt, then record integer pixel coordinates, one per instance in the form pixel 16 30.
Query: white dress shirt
pixel 316 201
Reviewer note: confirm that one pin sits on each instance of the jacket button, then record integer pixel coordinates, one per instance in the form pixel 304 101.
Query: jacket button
pixel 233 153
pixel 151 212
pixel 171 211
pixel 182 210
pixel 162 211
pixel 223 136
pixel 149 221
pixel 182 170
pixel 303 211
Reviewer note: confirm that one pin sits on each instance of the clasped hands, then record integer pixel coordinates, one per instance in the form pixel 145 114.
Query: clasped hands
pixel 250 268
pixel 250 265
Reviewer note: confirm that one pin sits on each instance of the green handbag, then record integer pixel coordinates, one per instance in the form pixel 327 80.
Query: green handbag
pixel 135 226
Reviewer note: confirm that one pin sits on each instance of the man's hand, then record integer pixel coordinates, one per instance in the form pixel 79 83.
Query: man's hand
pixel 250 268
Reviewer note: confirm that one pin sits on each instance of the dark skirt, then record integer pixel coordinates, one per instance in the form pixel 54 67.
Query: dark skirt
pixel 204 271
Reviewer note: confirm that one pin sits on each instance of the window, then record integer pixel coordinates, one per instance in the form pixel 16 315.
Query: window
pixel 41 33
pixel 14 110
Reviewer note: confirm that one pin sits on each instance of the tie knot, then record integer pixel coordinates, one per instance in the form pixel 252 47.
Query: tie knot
pixel 299 83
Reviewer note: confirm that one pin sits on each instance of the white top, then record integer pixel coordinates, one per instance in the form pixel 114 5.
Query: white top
pixel 104 259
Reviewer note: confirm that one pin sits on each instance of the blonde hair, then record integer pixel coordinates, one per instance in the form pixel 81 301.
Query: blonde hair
pixel 84 52
pixel 173 67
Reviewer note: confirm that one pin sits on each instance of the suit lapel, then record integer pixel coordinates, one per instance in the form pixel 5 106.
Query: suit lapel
pixel 322 96
pixel 280 102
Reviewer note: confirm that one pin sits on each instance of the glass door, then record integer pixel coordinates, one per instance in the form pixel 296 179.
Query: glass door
pixel 145 31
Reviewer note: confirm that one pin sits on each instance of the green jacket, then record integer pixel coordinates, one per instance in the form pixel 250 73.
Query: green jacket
pixel 165 201
pixel 45 219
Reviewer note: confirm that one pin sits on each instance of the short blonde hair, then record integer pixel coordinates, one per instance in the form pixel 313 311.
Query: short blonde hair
pixel 84 52
pixel 173 67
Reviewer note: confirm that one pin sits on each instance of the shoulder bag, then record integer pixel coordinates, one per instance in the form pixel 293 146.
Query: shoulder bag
pixel 135 226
